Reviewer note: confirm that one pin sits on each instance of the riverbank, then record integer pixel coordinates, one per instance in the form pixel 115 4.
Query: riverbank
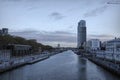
pixel 18 62
pixel 106 64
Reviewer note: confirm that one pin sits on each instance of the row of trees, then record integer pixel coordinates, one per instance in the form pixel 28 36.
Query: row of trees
pixel 8 39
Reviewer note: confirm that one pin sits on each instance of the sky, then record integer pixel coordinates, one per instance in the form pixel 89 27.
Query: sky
pixel 53 22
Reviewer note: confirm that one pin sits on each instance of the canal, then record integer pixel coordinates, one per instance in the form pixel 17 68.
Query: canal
pixel 63 66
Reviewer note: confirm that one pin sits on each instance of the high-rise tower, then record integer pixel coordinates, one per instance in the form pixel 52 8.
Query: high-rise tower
pixel 81 35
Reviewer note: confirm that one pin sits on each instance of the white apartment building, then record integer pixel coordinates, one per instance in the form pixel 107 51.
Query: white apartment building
pixel 113 45
pixel 93 44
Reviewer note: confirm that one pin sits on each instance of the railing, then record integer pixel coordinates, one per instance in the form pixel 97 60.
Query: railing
pixel 113 56
pixel 4 55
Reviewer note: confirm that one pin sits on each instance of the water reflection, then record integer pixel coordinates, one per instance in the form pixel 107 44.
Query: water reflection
pixel 81 68
pixel 63 66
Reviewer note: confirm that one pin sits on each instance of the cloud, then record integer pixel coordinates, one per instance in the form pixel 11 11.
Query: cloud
pixel 11 0
pixel 59 36
pixel 56 16
pixel 44 36
pixel 96 11
pixel 102 37
pixel 24 32
pixel 53 38
pixel 18 0
pixel 113 2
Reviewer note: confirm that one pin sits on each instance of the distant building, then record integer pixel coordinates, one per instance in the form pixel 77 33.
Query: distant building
pixel 112 51
pixel 93 44
pixel 0 32
pixel 4 31
pixel 58 46
pixel 81 34
pixel 103 45
pixel 39 49
pixel 113 45
pixel 19 50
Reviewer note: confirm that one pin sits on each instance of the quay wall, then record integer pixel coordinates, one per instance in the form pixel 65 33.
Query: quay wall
pixel 108 65
pixel 20 62
pixel 25 61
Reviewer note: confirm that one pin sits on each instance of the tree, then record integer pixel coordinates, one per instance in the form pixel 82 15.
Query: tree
pixel 8 39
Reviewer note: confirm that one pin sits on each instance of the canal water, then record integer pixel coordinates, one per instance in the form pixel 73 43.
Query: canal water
pixel 63 66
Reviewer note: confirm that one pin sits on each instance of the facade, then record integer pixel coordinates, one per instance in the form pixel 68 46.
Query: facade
pixel 93 44
pixel 4 31
pixel 103 45
pixel 58 46
pixel 81 35
pixel 0 32
pixel 112 51
pixel 19 50
pixel 113 45
pixel 4 55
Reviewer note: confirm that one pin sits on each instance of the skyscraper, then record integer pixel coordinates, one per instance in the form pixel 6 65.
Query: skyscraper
pixel 81 35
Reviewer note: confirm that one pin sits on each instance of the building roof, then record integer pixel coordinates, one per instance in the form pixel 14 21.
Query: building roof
pixel 114 40
pixel 19 45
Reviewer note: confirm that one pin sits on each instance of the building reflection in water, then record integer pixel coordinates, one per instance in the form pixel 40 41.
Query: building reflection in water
pixel 81 64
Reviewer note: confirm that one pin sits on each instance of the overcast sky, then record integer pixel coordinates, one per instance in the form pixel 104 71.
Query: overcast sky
pixel 55 21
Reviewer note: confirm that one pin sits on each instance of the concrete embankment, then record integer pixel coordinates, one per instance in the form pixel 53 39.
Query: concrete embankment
pixel 10 67
pixel 25 60
pixel 21 62
pixel 34 60
pixel 110 66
